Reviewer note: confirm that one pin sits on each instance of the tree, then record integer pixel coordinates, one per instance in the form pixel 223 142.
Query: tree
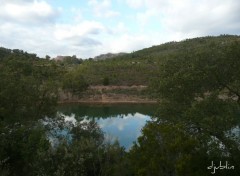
pixel 74 82
pixel 47 57
pixel 26 150
pixel 28 88
pixel 197 117
pixel 20 147
pixel 105 81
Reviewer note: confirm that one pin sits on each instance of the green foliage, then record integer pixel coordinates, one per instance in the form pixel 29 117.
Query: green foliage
pixel 105 81
pixel 198 114
pixel 74 82
pixel 25 150
pixel 19 148
pixel 71 60
pixel 28 87
pixel 188 146
pixel 141 67
pixel 47 57
pixel 162 151
pixel 105 111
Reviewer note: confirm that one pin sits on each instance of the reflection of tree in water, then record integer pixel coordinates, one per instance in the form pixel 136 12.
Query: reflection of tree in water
pixel 26 150
pixel 106 111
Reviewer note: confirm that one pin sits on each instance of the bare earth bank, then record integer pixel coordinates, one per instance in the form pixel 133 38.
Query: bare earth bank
pixel 108 95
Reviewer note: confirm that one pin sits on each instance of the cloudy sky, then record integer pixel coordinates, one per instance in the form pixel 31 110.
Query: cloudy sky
pixel 87 28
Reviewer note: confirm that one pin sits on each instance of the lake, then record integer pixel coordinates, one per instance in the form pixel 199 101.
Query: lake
pixel 119 121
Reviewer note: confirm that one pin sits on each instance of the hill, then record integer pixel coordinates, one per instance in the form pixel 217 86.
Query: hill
pixel 108 56
pixel 140 67
pixel 134 70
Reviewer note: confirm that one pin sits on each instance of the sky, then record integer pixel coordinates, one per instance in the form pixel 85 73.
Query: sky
pixel 87 28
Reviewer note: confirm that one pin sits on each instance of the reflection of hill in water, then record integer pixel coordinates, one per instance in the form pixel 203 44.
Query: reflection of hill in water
pixel 106 111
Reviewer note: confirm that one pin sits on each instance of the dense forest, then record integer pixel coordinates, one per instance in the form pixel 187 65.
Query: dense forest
pixel 196 83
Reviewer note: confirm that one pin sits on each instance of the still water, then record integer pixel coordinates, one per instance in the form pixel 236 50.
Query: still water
pixel 121 122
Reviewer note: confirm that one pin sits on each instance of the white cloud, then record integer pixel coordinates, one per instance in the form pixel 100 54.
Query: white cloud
pixel 70 118
pixel 129 43
pixel 110 14
pixel 39 27
pixel 145 16
pixel 119 29
pixel 80 40
pixel 203 18
pixel 135 3
pixel 121 122
pixel 78 14
pixel 137 116
pixel 18 29
pixel 103 8
pixel 189 18
pixel 85 28
pixel 33 12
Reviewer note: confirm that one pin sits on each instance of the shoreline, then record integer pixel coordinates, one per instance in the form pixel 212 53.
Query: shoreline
pixel 106 102
pixel 108 95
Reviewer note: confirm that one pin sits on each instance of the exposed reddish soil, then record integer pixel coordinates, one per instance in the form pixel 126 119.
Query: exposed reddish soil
pixel 102 95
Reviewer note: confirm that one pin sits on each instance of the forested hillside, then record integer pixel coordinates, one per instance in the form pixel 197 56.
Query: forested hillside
pixel 140 67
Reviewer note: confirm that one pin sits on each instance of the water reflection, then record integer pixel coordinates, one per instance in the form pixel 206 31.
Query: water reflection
pixel 121 122
pixel 125 128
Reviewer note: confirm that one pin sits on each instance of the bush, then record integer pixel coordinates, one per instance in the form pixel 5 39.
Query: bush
pixel 105 81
